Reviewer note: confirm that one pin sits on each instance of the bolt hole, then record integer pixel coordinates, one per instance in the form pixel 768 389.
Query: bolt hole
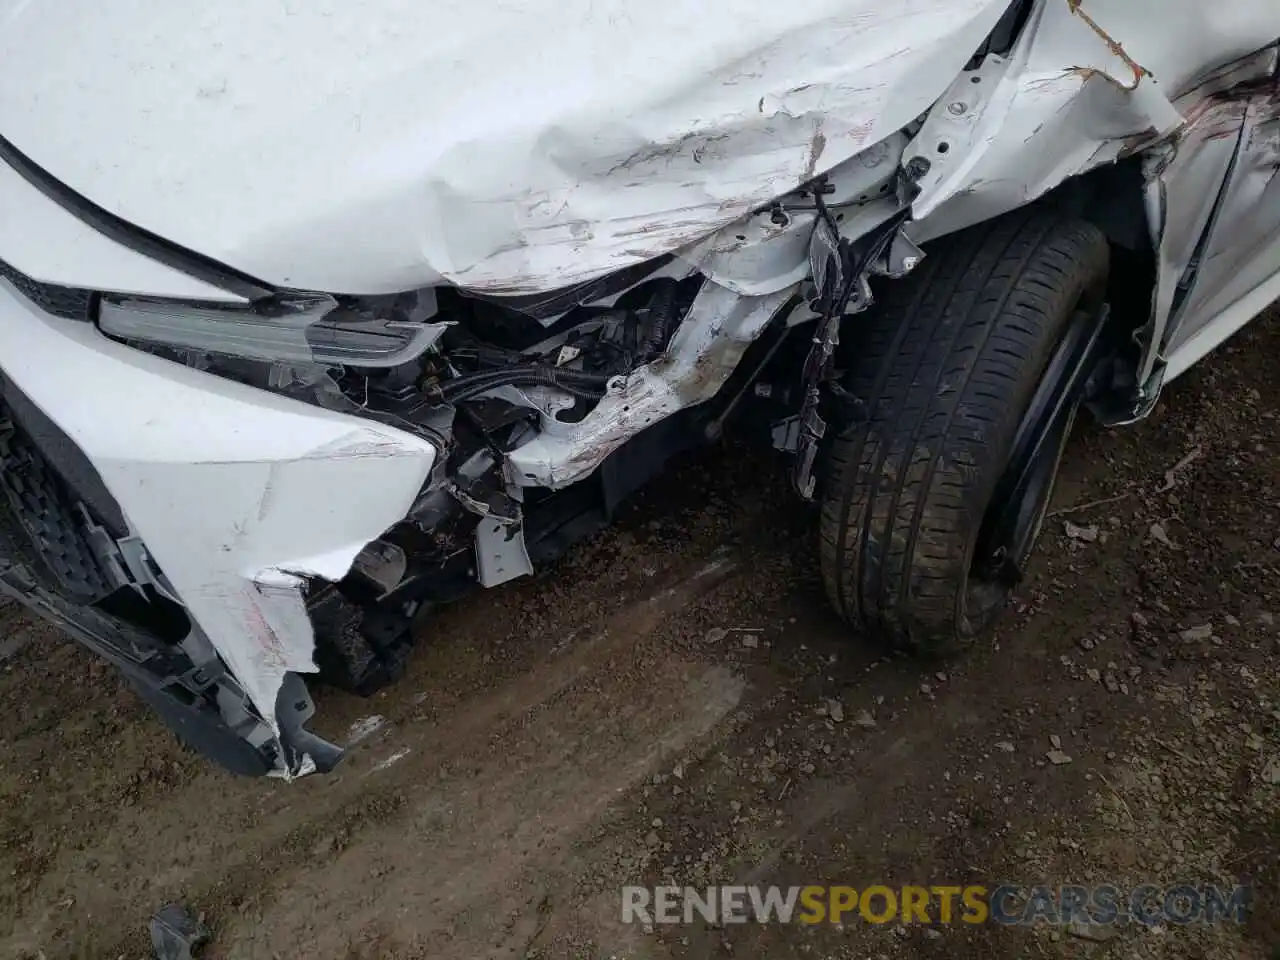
pixel 943 146
pixel 975 79
pixel 839 217
pixel 742 236
pixel 626 409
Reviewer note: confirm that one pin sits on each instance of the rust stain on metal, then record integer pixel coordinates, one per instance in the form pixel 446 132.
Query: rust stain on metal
pixel 816 146
pixel 1139 71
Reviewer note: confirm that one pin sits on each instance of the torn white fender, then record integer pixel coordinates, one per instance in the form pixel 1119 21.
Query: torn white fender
pixel 1219 176
pixel 1087 82
pixel 236 491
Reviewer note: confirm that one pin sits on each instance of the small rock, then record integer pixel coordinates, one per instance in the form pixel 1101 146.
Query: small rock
pixel 1094 674
pixel 1095 932
pixel 1004 745
pixel 1158 534
pixel 1087 534
pixel 678 771
pixel 1055 741
pixel 1267 619
pixel 835 710
pixel 651 839
pixel 932 933
pixel 1138 619
pixel 363 728
pixel 1057 757
pixel 657 821
pixel 1195 634
pixel 865 720
pixel 1231 621
pixel 750 640
pixel 1271 772
pixel 716 634
pixel 926 689
pixel 941 678
pixel 1087 643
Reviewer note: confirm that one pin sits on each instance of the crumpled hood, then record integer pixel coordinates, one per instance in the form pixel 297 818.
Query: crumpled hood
pixel 508 147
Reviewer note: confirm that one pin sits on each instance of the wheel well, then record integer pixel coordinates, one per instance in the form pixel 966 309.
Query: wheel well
pixel 1112 198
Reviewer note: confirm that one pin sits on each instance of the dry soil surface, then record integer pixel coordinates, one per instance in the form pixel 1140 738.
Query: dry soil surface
pixel 674 703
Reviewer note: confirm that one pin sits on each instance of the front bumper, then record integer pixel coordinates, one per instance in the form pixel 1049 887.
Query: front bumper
pixel 237 495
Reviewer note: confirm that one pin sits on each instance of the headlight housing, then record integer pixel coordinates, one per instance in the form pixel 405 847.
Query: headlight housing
pixel 378 332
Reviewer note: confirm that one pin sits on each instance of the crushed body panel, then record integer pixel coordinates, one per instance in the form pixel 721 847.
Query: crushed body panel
pixel 1086 83
pixel 236 492
pixel 510 148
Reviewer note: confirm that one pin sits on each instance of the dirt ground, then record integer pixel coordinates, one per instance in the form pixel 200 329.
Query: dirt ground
pixel 674 703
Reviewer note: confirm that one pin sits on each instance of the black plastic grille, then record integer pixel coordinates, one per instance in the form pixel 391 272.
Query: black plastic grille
pixel 43 507
pixel 69 302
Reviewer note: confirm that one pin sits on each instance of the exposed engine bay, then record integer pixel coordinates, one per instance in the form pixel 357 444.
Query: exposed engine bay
pixel 498 431
pixel 481 381
pixel 525 398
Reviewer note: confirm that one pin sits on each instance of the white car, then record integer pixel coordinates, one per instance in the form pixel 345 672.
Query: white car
pixel 313 315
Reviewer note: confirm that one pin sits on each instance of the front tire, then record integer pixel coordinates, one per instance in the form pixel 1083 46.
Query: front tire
pixel 951 367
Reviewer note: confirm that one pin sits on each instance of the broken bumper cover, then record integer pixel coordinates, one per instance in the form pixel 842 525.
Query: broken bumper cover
pixel 237 495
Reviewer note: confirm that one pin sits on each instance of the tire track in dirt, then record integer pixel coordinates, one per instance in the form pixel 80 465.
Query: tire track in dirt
pixel 219 835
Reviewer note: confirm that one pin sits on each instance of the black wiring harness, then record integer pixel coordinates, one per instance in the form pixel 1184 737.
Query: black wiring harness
pixel 635 336
pixel 588 386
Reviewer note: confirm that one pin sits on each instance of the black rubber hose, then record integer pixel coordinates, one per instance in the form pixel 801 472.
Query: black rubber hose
pixel 587 385
pixel 662 320
pixel 533 373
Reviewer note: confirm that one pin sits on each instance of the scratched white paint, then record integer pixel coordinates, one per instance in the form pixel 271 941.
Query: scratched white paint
pixel 378 146
pixel 233 490
pixel 1084 84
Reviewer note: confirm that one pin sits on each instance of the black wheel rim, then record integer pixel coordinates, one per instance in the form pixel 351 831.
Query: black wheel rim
pixel 1012 521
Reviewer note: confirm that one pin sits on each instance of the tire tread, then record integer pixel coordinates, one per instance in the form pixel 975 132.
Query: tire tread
pixel 945 363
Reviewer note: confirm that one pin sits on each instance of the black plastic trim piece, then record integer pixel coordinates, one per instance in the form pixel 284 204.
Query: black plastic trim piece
pixel 130 235
pixel 545 305
pixel 1004 34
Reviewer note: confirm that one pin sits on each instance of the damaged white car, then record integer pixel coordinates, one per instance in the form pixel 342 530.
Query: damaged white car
pixel 314 316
